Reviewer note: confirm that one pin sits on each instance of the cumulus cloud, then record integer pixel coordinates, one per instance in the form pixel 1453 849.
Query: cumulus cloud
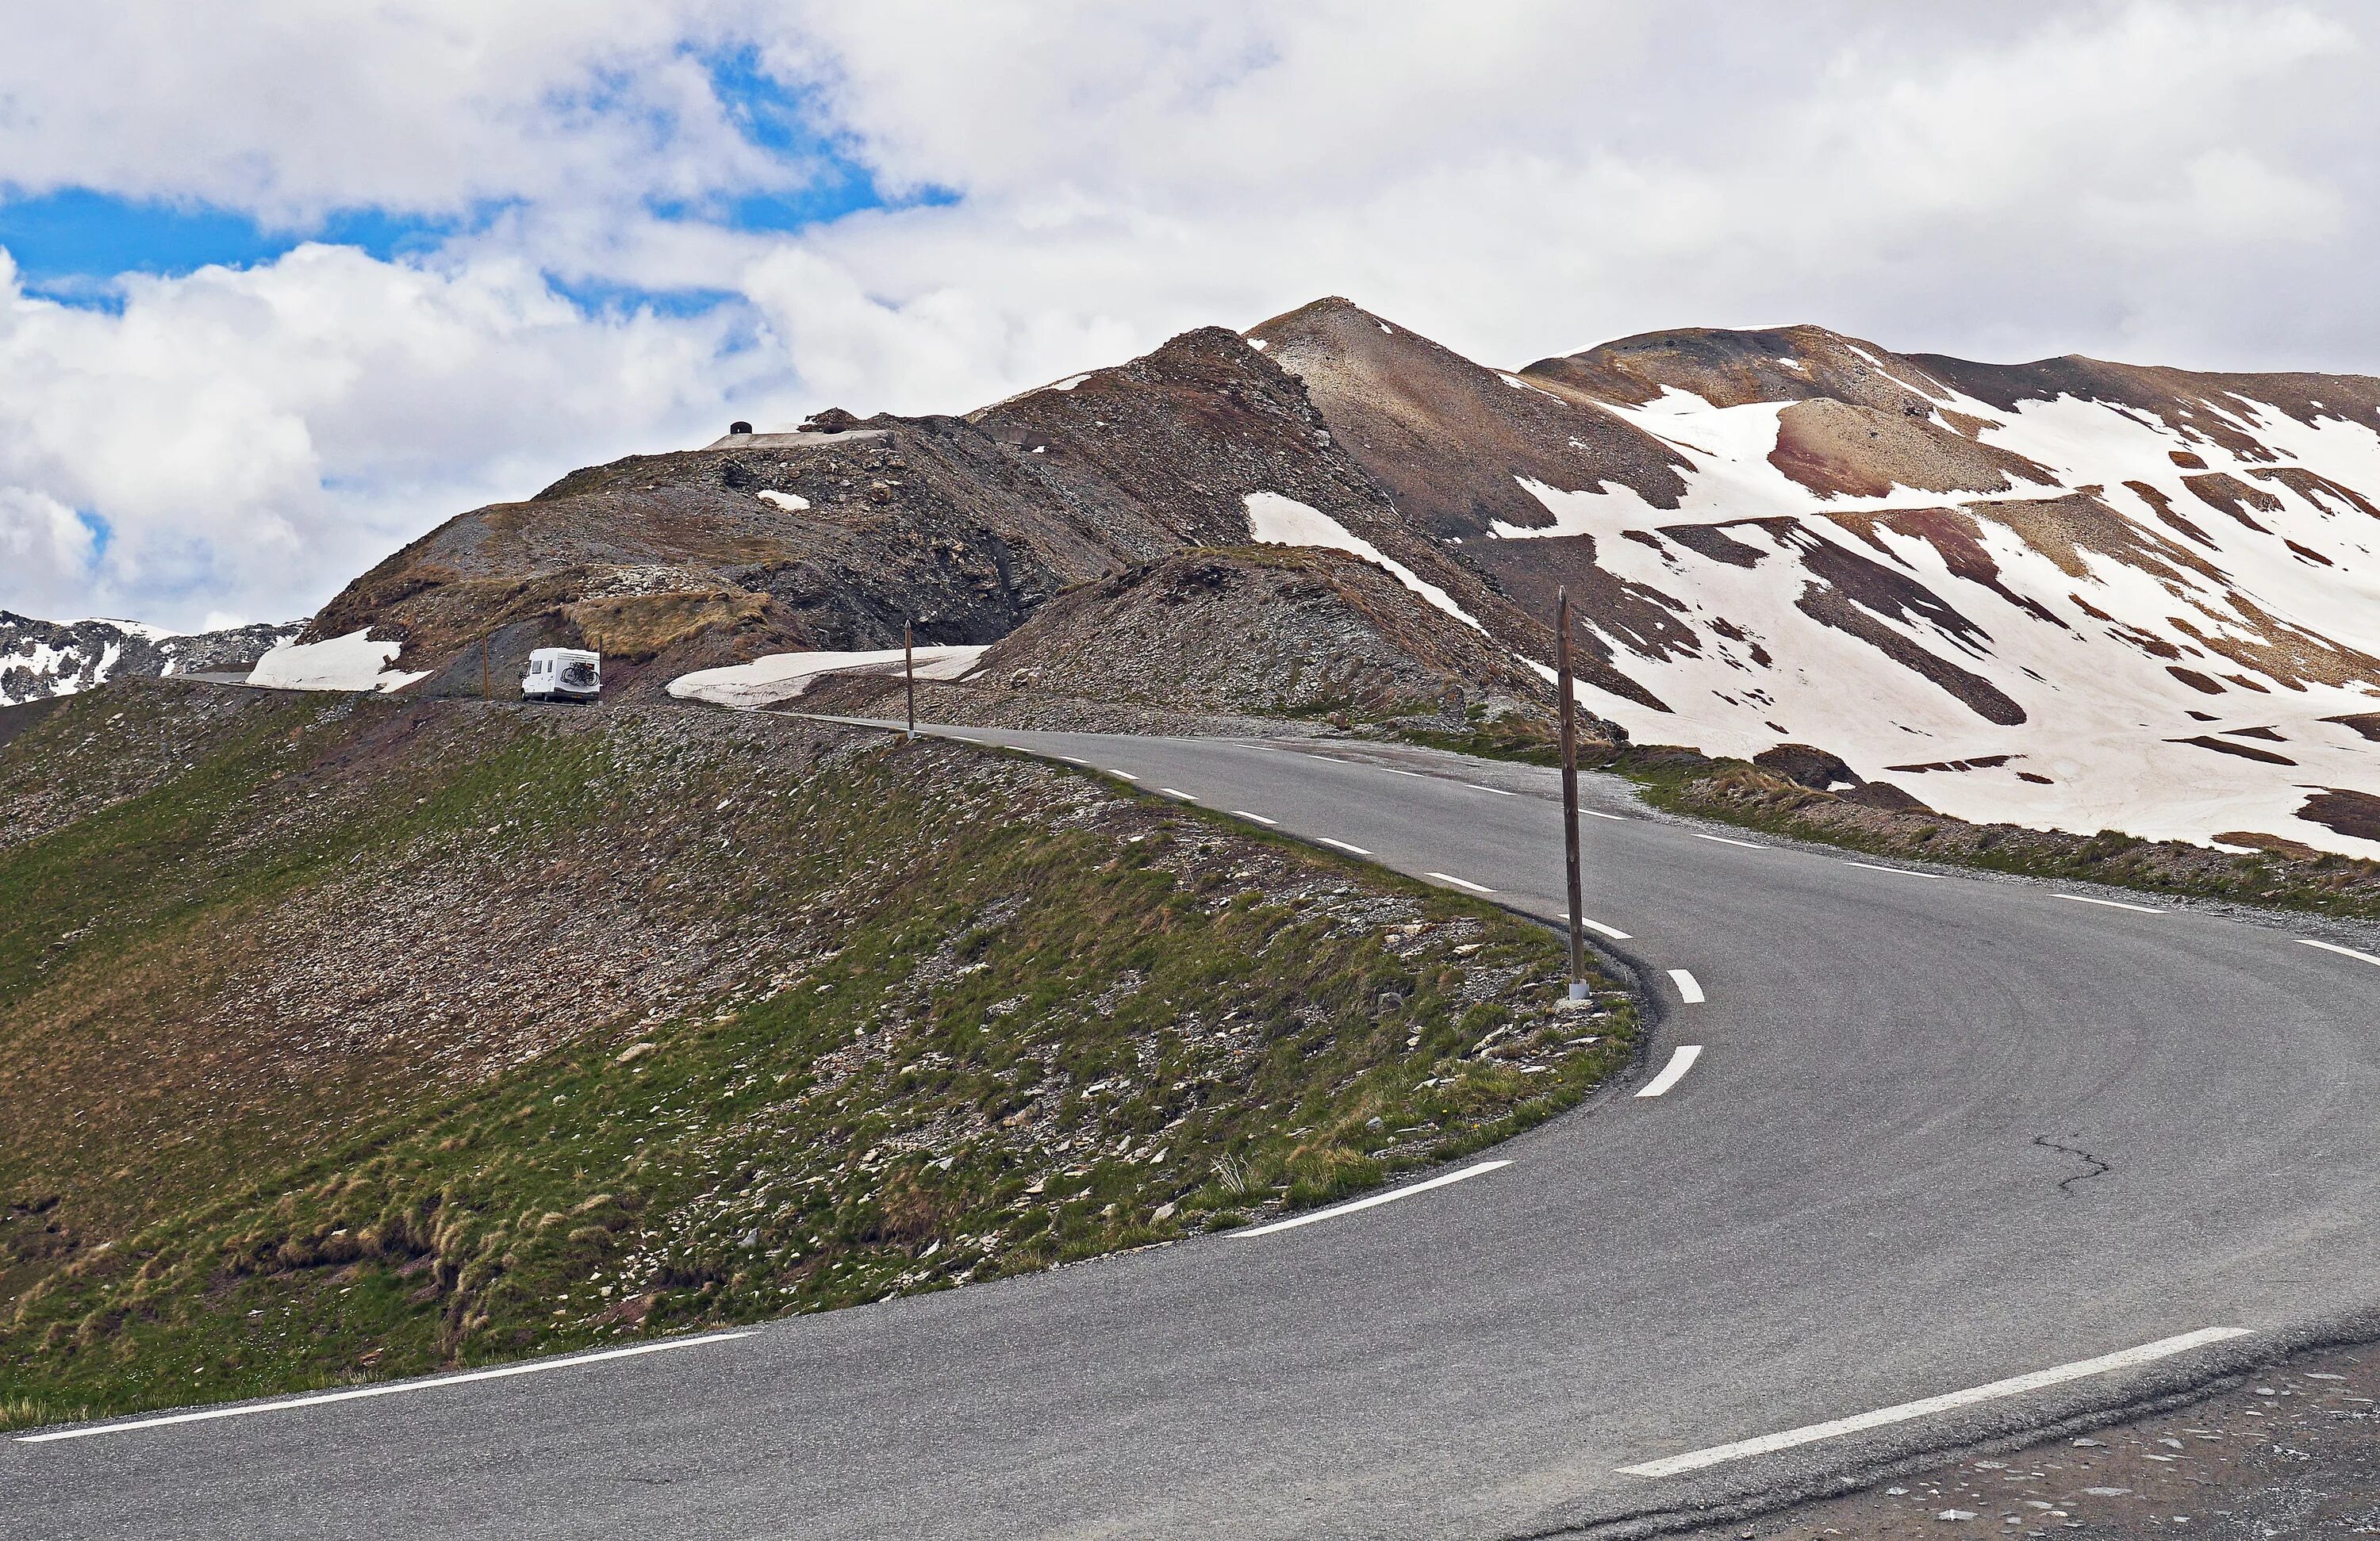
pixel 290 109
pixel 47 551
pixel 251 438
pixel 1070 182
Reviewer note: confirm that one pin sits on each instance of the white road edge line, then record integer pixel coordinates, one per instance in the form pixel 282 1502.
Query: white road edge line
pixel 1459 883
pixel 2342 951
pixel 1177 792
pixel 291 1404
pixel 1125 774
pixel 1374 1201
pixel 1690 990
pixel 1896 871
pixel 1725 841
pixel 2110 904
pixel 1074 760
pixel 1351 850
pixel 1599 929
pixel 2162 1348
pixel 1681 1061
pixel 1242 813
pixel 1394 771
pixel 1497 790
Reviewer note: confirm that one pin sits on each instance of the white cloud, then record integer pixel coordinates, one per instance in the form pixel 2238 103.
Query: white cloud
pixel 2166 181
pixel 289 108
pixel 46 550
pixel 255 437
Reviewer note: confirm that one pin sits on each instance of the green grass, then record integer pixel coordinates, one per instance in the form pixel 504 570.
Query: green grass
pixel 983 997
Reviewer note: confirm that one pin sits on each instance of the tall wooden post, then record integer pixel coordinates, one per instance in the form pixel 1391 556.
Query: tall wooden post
pixel 486 694
pixel 1578 987
pixel 909 670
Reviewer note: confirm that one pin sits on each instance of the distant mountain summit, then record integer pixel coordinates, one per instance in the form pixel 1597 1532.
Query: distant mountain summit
pixel 2068 593
pixel 40 659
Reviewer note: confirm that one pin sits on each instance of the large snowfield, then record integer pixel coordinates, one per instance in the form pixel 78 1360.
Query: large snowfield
pixel 783 676
pixel 351 662
pixel 2084 632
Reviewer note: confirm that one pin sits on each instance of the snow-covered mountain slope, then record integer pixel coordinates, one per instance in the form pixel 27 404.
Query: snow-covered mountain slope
pixel 2067 594
pixel 40 659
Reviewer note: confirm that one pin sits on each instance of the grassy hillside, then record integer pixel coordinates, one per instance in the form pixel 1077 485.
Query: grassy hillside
pixel 345 1037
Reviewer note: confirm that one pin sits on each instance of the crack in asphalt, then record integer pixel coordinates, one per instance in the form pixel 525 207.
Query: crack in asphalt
pixel 2098 1166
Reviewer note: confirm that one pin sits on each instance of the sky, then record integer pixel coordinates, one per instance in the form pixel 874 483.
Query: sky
pixel 284 285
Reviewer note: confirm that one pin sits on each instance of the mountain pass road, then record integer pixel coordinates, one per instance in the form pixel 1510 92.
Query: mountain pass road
pixel 1911 1160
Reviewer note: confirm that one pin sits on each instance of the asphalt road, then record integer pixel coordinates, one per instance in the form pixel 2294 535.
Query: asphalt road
pixel 1941 1132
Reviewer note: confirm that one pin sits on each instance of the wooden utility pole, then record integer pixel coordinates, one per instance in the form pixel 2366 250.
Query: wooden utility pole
pixel 1578 989
pixel 909 670
pixel 485 693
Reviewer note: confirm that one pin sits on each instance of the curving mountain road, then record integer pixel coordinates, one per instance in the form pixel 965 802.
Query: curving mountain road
pixel 1940 1133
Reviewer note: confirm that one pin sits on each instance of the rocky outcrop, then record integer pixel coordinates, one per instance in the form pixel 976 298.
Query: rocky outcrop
pixel 41 658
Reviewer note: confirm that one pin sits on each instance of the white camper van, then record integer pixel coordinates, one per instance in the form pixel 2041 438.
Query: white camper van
pixel 562 675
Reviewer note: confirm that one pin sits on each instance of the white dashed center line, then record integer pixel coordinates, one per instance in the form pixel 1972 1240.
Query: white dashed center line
pixel 2015 1385
pixel 537 1366
pixel 1689 990
pixel 1351 850
pixel 1242 813
pixel 1599 929
pixel 1896 871
pixel 1725 841
pixel 1125 774
pixel 1074 760
pixel 2109 903
pixel 1177 792
pixel 1374 1201
pixel 1459 883
pixel 1681 1061
pixel 2342 951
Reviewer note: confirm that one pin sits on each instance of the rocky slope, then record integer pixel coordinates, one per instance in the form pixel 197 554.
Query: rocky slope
pixel 831 537
pixel 1229 639
pixel 2067 594
pixel 41 658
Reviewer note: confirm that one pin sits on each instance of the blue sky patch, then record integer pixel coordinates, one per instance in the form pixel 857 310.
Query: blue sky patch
pixel 65 241
pixel 103 534
pixel 73 244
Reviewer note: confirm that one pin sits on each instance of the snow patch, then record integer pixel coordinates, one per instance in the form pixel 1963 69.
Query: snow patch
pixel 1072 381
pixel 355 661
pixel 783 676
pixel 1274 520
pixel 130 629
pixel 792 503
